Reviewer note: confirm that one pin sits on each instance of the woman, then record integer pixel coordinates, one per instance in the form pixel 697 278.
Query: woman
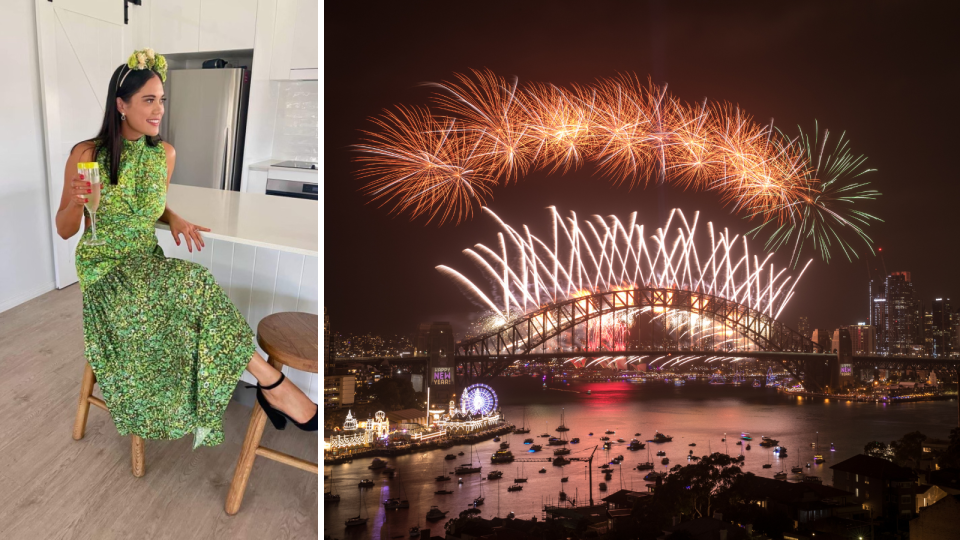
pixel 164 340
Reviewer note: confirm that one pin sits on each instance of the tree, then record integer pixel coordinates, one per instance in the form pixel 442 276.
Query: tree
pixel 878 449
pixel 907 450
pixel 951 456
pixel 696 488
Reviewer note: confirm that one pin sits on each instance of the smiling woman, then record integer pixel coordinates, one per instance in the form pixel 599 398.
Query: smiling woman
pixel 165 342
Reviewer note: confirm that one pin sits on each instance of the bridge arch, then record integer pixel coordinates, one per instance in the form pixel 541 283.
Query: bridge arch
pixel 532 332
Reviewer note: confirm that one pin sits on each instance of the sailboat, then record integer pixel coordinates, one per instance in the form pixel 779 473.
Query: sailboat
pixel 357 521
pixel 562 426
pixel 767 465
pixel 467 468
pixel 523 426
pixel 479 500
pixel 330 496
pixel 782 475
pixel 442 477
pixel 397 503
pixel 818 457
pixel 798 468
pixel 646 466
pixel 520 478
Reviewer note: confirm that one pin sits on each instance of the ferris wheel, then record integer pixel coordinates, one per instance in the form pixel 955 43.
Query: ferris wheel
pixel 478 399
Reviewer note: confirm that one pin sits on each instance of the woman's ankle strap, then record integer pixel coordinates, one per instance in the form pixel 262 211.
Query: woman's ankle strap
pixel 274 385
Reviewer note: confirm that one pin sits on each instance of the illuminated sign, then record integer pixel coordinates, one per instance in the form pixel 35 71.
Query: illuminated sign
pixel 846 369
pixel 442 375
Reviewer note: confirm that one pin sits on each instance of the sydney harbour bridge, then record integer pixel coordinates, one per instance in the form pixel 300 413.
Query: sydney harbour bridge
pixel 660 327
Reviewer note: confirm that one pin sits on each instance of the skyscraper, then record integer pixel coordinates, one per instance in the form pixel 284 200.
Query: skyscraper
pixel 804 327
pixel 896 314
pixel 902 321
pixel 941 327
pixel 863 338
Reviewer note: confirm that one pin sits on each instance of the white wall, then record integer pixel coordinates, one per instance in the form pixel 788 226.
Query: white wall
pixel 295 131
pixel 26 256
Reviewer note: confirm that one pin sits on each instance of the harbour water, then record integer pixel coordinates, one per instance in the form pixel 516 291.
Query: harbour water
pixel 696 412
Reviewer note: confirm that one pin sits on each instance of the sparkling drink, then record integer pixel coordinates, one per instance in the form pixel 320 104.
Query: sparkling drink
pixel 91 172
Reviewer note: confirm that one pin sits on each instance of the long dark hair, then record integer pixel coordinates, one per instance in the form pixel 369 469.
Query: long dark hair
pixel 109 138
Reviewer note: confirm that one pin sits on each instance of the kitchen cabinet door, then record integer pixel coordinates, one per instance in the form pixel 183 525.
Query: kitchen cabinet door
pixel 227 24
pixel 305 35
pixel 295 40
pixel 175 26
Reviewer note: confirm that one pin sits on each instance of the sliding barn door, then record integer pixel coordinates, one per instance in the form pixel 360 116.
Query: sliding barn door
pixel 80 43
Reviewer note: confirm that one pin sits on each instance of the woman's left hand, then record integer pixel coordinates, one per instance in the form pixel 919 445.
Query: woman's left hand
pixel 190 232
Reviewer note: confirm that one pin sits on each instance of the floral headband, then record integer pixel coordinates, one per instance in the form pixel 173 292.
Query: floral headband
pixel 146 59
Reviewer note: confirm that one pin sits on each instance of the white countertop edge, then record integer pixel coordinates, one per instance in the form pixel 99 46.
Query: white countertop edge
pixel 267 165
pixel 248 242
pixel 263 165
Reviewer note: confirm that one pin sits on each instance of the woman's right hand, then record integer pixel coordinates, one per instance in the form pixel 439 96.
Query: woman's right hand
pixel 81 188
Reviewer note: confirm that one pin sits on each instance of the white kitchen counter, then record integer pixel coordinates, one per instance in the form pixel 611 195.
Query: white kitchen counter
pixel 262 249
pixel 281 223
pixel 263 165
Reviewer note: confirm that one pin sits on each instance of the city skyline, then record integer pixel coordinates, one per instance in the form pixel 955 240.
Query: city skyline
pixel 380 67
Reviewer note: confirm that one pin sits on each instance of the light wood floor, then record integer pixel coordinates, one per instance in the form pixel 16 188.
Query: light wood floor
pixel 52 486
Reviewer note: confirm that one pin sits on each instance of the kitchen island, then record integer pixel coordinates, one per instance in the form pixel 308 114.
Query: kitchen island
pixel 262 249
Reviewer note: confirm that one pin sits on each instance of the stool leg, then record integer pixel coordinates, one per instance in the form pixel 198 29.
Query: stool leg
pixel 136 456
pixel 83 408
pixel 245 463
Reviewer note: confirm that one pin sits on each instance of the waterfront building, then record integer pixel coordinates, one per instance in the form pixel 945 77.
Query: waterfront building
pixel 877 484
pixel 804 327
pixel 436 341
pixel 823 337
pixel 937 521
pixel 897 314
pixel 339 390
pixel 942 342
pixel 864 338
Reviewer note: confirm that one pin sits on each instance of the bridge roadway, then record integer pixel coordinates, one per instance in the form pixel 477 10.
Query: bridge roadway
pixel 894 362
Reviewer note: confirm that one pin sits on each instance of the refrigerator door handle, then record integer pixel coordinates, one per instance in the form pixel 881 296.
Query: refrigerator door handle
pixel 224 174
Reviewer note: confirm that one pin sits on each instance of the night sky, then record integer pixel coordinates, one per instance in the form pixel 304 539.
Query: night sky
pixel 885 72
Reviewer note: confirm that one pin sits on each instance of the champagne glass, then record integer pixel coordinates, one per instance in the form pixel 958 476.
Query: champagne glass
pixel 91 171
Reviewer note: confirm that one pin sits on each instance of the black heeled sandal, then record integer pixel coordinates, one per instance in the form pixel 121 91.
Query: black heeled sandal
pixel 277 417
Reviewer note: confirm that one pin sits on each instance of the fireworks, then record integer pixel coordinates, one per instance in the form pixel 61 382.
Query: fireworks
pixel 492 131
pixel 827 217
pixel 597 255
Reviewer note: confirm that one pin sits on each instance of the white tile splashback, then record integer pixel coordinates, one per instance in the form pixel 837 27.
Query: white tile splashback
pixel 295 131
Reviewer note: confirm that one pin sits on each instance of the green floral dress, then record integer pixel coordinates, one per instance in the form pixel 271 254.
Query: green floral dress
pixel 165 342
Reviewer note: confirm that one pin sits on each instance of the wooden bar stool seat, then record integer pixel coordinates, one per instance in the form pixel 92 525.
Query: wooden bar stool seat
pixel 138 465
pixel 289 339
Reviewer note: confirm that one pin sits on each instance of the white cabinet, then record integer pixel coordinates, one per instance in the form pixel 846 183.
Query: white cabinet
pixel 227 24
pixel 186 26
pixel 175 26
pixel 296 40
pixel 305 36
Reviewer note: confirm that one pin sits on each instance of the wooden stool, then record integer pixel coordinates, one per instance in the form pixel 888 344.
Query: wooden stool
pixel 289 339
pixel 80 425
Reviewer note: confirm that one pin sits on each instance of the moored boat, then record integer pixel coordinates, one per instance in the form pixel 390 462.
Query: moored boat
pixel 661 438
pixel 435 513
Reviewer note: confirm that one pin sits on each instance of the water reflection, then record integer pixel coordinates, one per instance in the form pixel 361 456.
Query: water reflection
pixel 695 413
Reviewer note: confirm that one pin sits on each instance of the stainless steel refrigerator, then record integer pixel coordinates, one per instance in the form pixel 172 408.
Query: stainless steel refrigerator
pixel 205 120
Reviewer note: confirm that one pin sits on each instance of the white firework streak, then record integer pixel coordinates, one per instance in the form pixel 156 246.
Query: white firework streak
pixel 603 255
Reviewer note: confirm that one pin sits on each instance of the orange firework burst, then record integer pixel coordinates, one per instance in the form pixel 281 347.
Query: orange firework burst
pixel 494 131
